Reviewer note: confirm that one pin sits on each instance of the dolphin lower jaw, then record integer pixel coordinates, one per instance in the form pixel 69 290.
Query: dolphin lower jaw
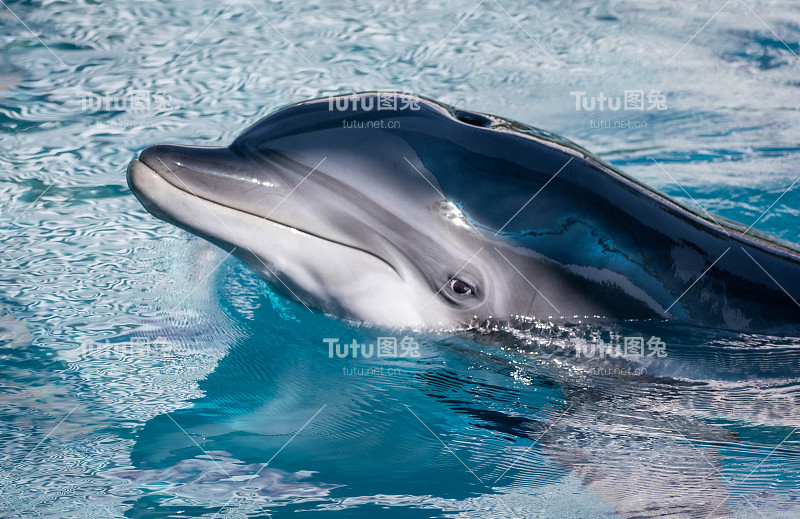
pixel 350 283
pixel 264 189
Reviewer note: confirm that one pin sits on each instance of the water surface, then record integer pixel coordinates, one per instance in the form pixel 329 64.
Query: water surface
pixel 214 397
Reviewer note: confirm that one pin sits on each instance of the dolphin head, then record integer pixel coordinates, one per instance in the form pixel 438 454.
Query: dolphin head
pixel 399 210
pixel 330 201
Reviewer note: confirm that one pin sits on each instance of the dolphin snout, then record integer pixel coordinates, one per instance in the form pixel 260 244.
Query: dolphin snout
pixel 216 174
pixel 187 165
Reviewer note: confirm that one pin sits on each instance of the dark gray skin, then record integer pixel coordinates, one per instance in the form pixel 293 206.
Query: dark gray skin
pixel 426 219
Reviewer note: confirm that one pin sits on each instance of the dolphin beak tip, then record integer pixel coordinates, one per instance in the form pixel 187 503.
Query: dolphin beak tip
pixel 135 176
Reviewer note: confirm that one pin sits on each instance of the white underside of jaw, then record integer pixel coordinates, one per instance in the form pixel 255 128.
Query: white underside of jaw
pixel 321 274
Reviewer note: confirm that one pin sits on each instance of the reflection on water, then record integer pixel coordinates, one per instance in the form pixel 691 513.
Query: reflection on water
pixel 216 397
pixel 480 422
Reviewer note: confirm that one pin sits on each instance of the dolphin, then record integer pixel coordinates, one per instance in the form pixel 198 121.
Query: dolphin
pixel 399 210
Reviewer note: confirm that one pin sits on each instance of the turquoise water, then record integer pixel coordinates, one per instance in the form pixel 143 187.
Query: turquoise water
pixel 144 374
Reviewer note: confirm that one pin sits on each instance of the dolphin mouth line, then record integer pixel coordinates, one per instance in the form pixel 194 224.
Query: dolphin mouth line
pixel 187 192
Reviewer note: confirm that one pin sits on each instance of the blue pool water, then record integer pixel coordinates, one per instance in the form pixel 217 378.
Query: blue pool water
pixel 144 374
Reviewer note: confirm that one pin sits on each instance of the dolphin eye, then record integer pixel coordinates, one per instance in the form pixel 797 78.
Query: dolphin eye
pixel 459 287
